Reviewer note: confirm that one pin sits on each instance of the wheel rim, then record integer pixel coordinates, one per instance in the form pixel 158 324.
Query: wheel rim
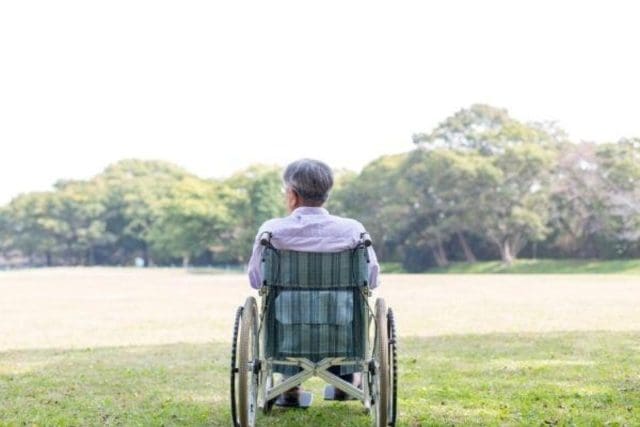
pixel 248 371
pixel 381 358
pixel 378 402
pixel 234 367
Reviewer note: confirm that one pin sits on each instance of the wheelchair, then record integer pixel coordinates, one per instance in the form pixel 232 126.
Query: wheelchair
pixel 315 319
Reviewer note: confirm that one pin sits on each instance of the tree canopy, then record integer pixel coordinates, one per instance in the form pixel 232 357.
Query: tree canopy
pixel 480 185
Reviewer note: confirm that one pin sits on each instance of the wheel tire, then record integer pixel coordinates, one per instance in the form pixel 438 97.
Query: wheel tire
pixel 393 354
pixel 381 352
pixel 248 377
pixel 234 368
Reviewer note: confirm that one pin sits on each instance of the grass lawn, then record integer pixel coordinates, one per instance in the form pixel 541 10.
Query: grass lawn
pixel 126 347
pixel 587 378
pixel 531 266
pixel 545 266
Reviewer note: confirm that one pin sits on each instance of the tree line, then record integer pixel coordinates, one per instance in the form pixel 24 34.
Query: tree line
pixel 481 185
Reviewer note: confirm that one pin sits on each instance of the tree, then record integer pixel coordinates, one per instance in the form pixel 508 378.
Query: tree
pixel 133 192
pixel 518 207
pixel 79 212
pixel 257 198
pixel 35 231
pixel 515 210
pixel 488 131
pixel 6 234
pixel 194 218
pixel 577 197
pixel 372 198
pixel 619 165
pixel 442 189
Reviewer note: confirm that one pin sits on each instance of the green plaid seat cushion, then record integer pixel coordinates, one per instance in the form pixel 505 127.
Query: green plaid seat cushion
pixel 315 307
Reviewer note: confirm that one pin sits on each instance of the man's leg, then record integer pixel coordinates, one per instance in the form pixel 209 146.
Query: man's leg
pixel 352 378
pixel 291 397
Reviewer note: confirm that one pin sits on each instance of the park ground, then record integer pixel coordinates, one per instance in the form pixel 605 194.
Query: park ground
pixel 101 346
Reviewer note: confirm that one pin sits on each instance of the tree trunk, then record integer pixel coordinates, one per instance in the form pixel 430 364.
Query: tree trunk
pixel 440 254
pixel 69 254
pixel 517 244
pixel 185 260
pixel 145 254
pixel 468 253
pixel 49 260
pixel 506 252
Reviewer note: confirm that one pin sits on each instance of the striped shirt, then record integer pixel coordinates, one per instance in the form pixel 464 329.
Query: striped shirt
pixel 309 229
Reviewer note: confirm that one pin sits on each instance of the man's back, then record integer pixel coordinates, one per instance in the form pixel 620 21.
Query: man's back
pixel 311 229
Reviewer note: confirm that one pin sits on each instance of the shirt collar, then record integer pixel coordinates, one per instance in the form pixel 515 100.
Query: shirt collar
pixel 309 210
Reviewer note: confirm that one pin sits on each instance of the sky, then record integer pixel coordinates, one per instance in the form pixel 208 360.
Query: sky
pixel 217 86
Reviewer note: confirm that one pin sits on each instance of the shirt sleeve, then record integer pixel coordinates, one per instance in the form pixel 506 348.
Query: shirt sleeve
pixel 254 268
pixel 374 266
pixel 374 269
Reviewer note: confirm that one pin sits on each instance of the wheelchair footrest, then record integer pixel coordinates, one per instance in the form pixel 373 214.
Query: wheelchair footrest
pixel 304 401
pixel 330 394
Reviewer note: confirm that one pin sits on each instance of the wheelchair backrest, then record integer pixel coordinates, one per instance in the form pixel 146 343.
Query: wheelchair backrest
pixel 330 270
pixel 315 305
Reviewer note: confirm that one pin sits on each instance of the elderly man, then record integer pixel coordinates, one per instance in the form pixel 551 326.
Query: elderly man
pixel 310 228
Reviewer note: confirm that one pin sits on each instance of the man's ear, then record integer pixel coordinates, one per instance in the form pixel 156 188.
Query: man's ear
pixel 293 200
pixel 297 200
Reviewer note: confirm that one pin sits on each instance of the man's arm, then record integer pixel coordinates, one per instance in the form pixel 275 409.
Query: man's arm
pixel 374 268
pixel 255 264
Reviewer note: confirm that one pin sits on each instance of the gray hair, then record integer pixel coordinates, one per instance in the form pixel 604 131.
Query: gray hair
pixel 310 179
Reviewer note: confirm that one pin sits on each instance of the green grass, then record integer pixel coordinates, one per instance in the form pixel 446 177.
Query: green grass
pixel 531 266
pixel 586 378
pixel 229 269
pixel 392 268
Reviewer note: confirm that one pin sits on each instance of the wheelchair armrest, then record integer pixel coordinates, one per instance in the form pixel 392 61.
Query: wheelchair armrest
pixel 265 238
pixel 366 239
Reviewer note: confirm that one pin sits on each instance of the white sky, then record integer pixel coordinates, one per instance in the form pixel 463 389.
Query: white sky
pixel 216 86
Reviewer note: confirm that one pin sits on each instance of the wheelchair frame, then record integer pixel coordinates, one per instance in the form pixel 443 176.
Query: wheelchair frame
pixel 252 374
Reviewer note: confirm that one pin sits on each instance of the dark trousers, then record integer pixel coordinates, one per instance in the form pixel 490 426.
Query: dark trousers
pixel 336 371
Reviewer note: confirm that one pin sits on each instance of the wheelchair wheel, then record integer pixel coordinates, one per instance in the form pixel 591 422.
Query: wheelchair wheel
pixel 381 392
pixel 393 368
pixel 234 368
pixel 248 365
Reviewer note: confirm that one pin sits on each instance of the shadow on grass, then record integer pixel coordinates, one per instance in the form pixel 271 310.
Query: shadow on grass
pixel 533 379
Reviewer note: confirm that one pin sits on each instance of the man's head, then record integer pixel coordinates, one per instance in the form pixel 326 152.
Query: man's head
pixel 307 183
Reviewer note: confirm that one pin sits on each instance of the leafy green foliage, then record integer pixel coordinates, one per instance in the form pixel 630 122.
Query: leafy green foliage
pixel 372 197
pixel 258 197
pixel 133 192
pixel 481 185
pixel 191 220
